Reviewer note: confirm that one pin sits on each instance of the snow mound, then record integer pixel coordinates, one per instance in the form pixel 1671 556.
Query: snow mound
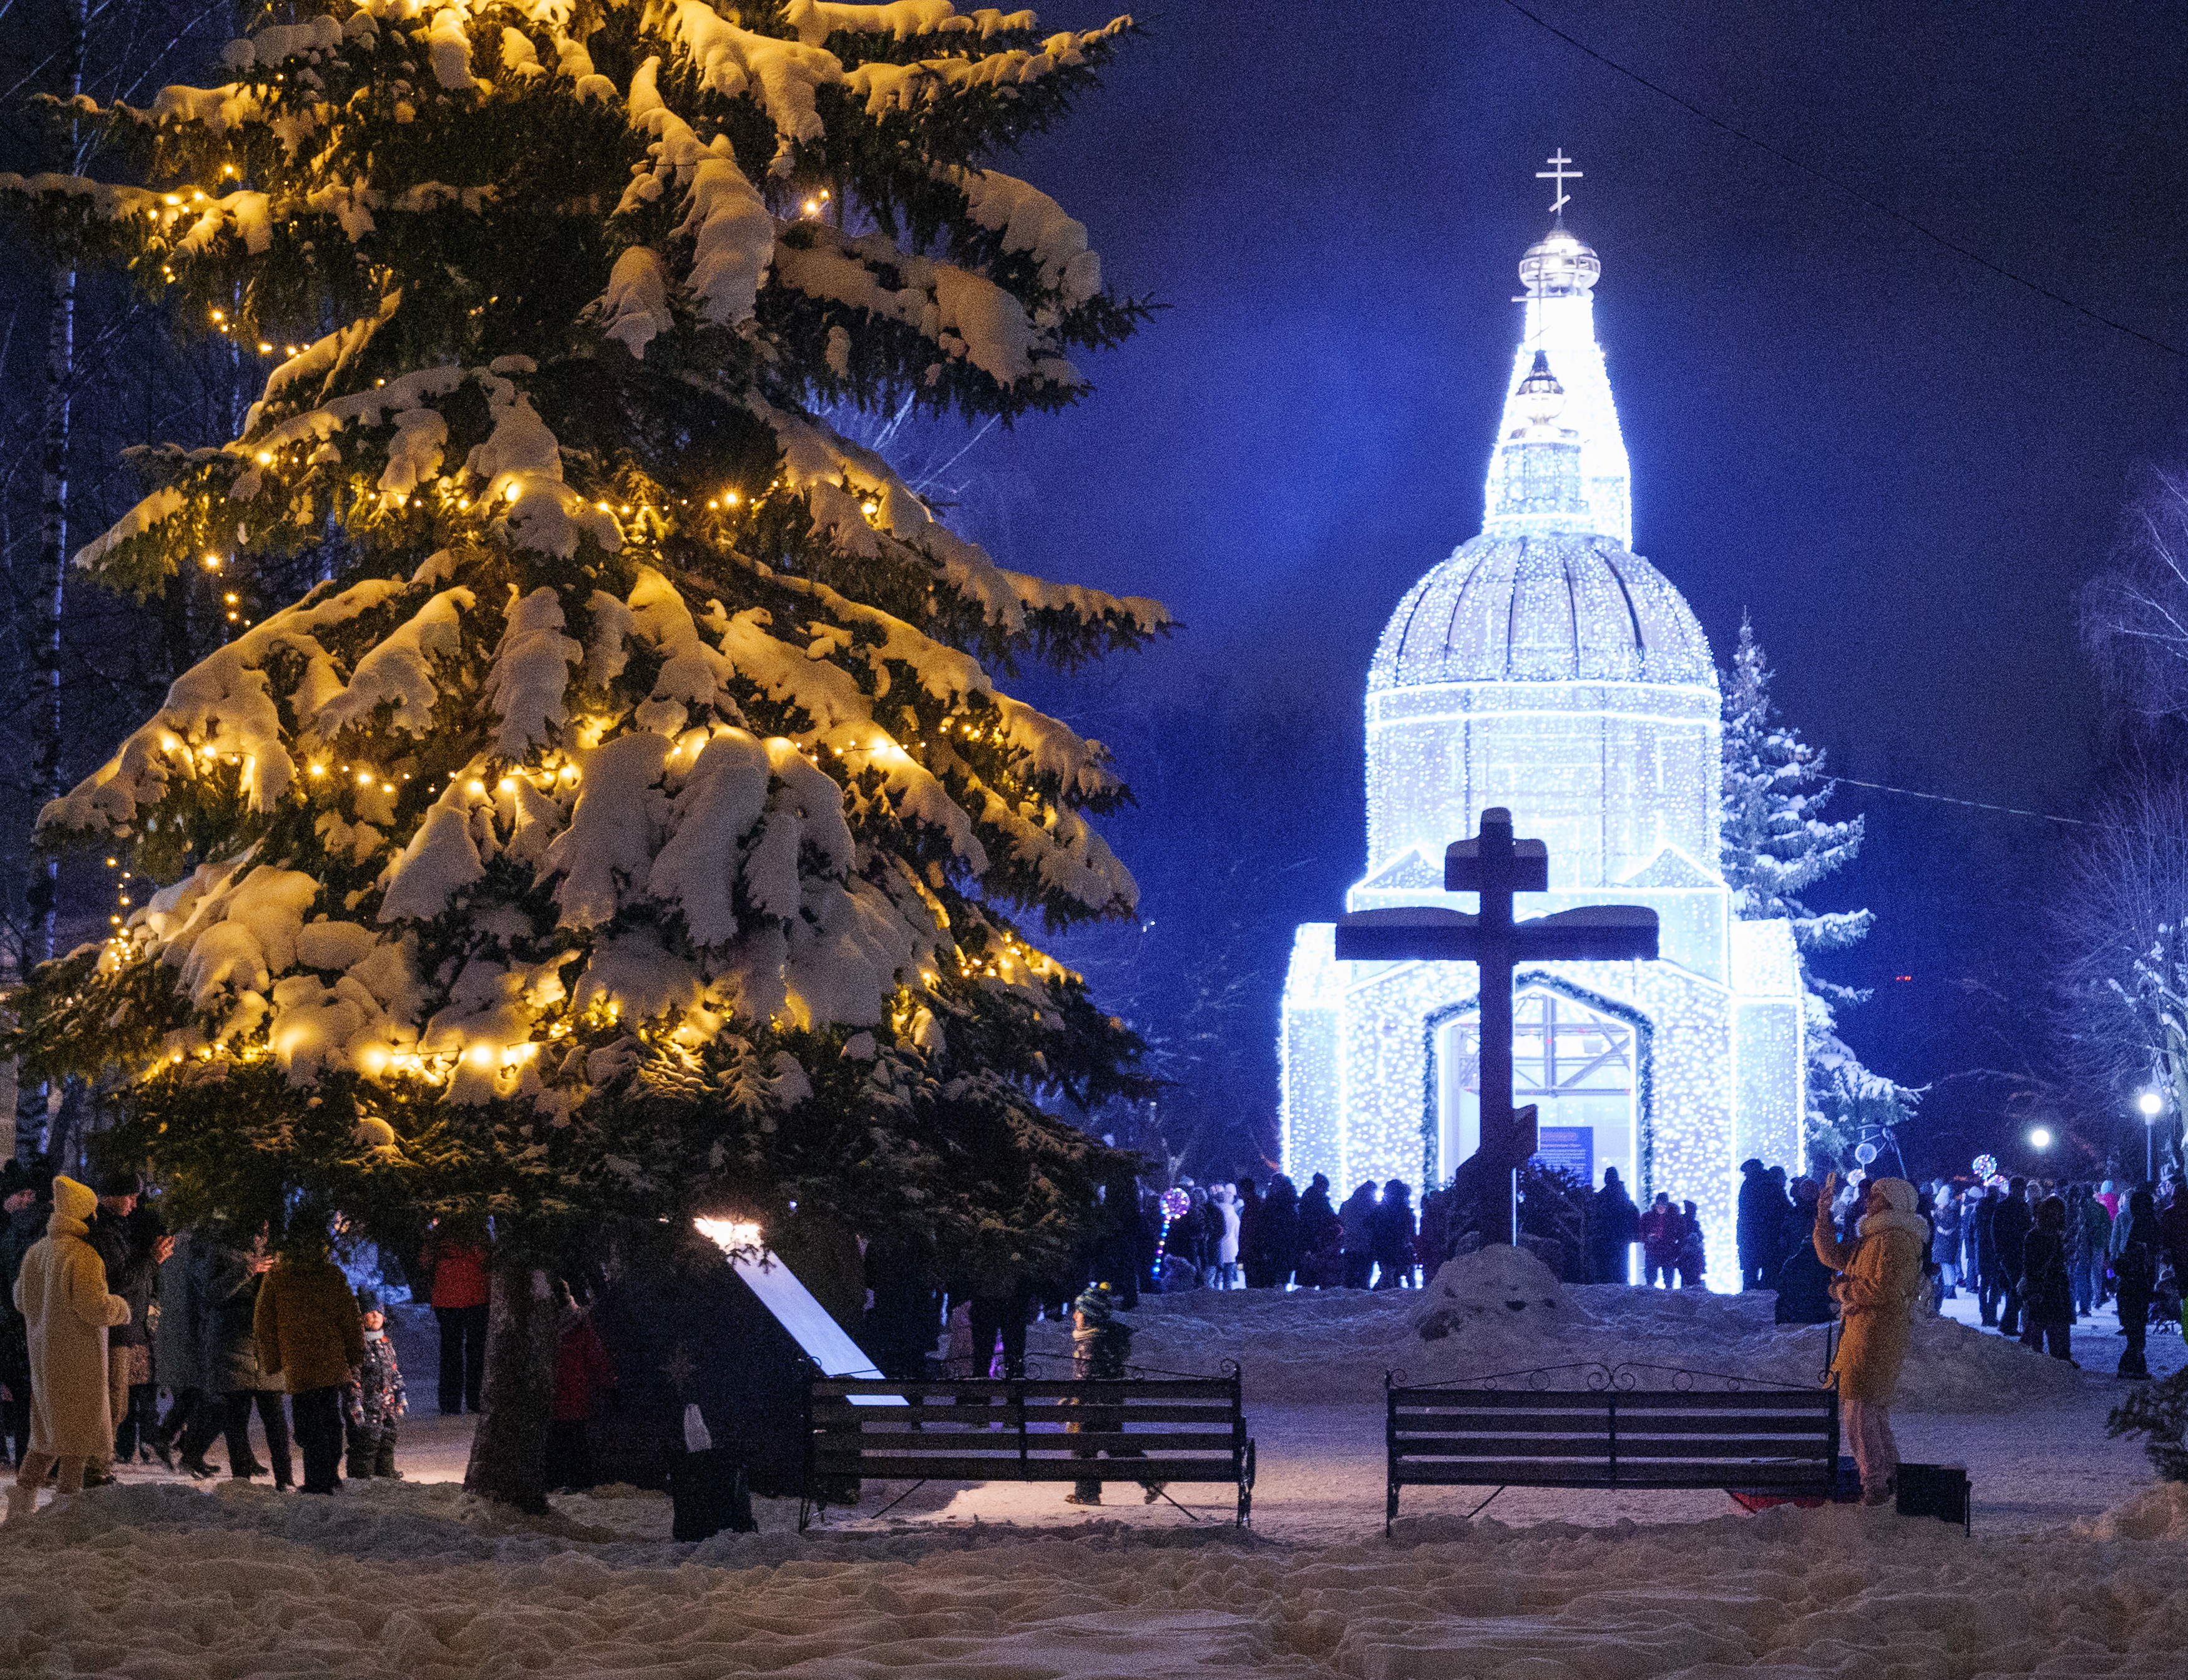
pixel 2159 1511
pixel 1335 1345
pixel 1499 1287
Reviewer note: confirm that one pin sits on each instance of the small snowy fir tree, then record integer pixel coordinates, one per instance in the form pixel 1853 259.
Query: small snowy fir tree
pixel 628 822
pixel 1776 845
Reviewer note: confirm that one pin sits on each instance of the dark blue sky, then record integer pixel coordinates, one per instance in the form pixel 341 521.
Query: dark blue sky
pixel 1904 465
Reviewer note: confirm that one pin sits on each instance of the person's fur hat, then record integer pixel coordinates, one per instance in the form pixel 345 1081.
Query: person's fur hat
pixel 369 1300
pixel 120 1182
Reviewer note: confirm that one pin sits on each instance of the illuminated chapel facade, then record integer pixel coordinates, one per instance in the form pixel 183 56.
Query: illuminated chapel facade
pixel 1546 668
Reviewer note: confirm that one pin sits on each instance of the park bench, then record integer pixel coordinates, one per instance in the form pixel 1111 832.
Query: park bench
pixel 1596 1426
pixel 1148 1430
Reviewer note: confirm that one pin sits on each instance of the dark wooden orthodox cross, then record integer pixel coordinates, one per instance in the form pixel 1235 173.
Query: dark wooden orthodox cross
pixel 1496 866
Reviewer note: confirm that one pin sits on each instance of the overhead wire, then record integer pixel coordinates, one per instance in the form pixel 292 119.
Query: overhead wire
pixel 1837 185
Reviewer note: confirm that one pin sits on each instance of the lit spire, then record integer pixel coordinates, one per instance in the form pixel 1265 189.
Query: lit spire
pixel 1559 274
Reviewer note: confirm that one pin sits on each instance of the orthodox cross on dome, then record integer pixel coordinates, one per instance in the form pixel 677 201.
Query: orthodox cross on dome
pixel 1496 866
pixel 1557 173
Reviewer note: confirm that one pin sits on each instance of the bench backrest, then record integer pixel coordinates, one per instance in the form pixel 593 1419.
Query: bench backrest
pixel 1758 1438
pixel 1179 1429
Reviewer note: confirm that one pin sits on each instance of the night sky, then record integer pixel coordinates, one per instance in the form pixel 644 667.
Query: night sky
pixel 1904 466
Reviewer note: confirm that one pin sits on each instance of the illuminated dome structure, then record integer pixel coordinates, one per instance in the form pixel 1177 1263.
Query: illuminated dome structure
pixel 1546 668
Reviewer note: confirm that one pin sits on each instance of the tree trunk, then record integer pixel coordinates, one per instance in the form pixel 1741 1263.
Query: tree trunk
pixel 508 1453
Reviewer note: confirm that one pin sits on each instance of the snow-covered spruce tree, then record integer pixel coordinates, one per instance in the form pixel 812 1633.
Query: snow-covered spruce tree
pixel 1776 845
pixel 630 823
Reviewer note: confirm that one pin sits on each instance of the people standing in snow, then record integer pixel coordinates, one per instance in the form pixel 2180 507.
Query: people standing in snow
pixel 310 1336
pixel 2047 1284
pixel 67 1312
pixel 1614 1226
pixel 1981 1229
pixel 373 1398
pixel 2089 1244
pixel 1880 1274
pixel 1391 1235
pixel 1322 1238
pixel 1694 1246
pixel 584 1376
pixel 1945 1241
pixel 178 1350
pixel 1356 1216
pixel 1660 1232
pixel 1224 1274
pixel 454 1259
pixel 1248 1201
pixel 2172 1237
pixel 1101 1349
pixel 2010 1225
pixel 2136 1272
pixel 234 1271
pixel 132 1244
pixel 22 1225
pixel 1804 1281
pixel 1277 1234
pixel 1759 1227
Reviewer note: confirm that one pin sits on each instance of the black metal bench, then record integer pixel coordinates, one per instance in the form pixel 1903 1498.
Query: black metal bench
pixel 1147 1431
pixel 1596 1426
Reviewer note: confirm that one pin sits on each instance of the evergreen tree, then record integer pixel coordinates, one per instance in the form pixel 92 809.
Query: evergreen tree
pixel 629 823
pixel 1777 844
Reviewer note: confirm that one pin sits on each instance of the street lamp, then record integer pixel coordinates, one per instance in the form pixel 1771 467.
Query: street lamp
pixel 2041 1137
pixel 2152 1105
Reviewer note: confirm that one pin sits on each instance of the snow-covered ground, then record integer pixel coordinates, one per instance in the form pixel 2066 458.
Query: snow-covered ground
pixel 2078 1566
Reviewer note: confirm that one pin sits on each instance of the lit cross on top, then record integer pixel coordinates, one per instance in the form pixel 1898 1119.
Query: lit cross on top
pixel 1558 174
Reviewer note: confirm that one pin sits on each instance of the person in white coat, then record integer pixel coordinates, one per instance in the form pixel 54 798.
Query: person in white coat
pixel 61 1292
pixel 1225 1197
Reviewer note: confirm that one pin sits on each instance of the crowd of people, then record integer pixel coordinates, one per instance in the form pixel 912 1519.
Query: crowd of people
pixel 1235 1236
pixel 102 1310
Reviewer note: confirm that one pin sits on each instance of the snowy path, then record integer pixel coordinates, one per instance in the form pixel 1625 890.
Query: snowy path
pixel 164 1580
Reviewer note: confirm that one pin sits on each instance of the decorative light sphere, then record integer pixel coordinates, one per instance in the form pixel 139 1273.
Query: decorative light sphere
pixel 1985 1168
pixel 1176 1204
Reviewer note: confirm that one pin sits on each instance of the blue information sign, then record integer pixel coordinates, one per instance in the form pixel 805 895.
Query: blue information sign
pixel 1569 1149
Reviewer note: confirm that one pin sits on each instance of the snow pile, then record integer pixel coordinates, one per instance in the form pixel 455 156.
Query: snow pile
pixel 1335 1345
pixel 2157 1513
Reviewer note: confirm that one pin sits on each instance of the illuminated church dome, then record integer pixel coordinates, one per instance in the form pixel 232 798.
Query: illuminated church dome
pixel 1547 668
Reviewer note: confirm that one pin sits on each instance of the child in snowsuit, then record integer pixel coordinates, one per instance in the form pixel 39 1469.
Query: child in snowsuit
pixel 372 1403
pixel 1100 1346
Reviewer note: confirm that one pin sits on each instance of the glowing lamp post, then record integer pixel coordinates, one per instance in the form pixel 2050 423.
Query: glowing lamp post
pixel 2039 1137
pixel 2152 1105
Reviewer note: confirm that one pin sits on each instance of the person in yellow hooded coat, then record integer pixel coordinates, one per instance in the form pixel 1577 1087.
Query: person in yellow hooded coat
pixel 61 1292
pixel 1880 1275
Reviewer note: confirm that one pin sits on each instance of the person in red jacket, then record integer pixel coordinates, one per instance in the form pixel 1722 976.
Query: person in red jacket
pixel 1662 1230
pixel 583 1374
pixel 455 1260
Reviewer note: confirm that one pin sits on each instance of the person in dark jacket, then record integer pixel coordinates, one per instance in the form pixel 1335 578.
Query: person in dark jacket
pixel 1322 1238
pixel 178 1349
pixel 1804 1281
pixel 23 1224
pixel 1252 1257
pixel 234 1267
pixel 1945 1240
pixel 584 1376
pixel 1614 1226
pixel 1391 1235
pixel 2010 1228
pixel 1357 1217
pixel 1278 1228
pixel 132 1242
pixel 1759 1228
pixel 2136 1271
pixel 2047 1284
pixel 1978 1232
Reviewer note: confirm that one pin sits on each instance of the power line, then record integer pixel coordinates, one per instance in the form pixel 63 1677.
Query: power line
pixel 1832 180
pixel 1976 804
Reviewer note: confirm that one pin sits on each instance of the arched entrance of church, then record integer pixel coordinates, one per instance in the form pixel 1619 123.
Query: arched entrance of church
pixel 1583 1062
